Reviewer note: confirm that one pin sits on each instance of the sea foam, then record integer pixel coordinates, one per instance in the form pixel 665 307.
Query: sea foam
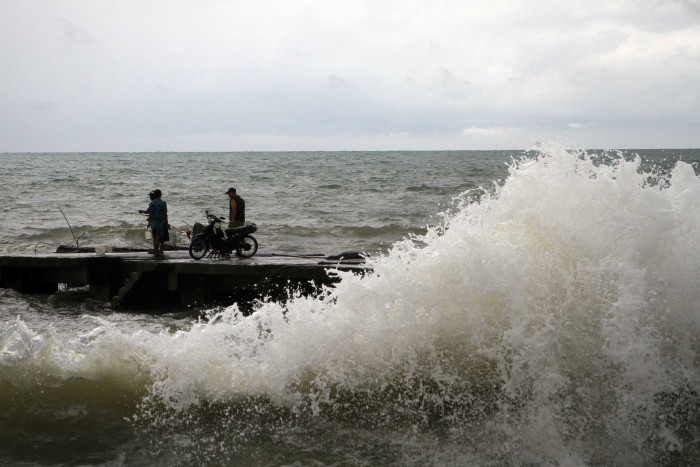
pixel 557 312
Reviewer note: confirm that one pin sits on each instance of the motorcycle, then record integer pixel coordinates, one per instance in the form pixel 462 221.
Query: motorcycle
pixel 217 242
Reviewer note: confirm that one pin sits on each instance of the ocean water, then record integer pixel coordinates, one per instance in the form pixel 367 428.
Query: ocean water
pixel 526 308
pixel 301 202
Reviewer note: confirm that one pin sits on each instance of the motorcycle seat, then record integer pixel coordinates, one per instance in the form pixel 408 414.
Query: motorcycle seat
pixel 244 229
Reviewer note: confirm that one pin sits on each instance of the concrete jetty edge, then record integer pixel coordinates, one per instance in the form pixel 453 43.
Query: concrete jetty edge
pixel 135 279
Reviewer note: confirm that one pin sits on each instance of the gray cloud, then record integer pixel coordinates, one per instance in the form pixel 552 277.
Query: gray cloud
pixel 73 33
pixel 225 75
pixel 42 106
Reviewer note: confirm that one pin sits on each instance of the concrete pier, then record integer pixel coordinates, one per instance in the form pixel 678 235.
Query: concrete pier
pixel 138 280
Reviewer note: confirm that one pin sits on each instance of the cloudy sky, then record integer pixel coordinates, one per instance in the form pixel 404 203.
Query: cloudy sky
pixel 207 75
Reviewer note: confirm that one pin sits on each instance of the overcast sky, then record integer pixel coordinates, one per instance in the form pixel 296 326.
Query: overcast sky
pixel 185 75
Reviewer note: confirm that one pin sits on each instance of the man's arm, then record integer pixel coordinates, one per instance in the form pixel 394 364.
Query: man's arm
pixel 146 211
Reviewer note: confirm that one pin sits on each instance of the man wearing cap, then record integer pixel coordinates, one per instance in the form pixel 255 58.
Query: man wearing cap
pixel 158 216
pixel 236 210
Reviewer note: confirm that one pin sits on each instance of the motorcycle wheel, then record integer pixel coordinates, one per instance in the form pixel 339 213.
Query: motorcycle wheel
pixel 247 246
pixel 198 248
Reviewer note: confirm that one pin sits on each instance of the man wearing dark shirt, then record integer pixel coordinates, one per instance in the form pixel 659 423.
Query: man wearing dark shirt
pixel 236 210
pixel 158 219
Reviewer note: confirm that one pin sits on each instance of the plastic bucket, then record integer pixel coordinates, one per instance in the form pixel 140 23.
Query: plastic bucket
pixel 149 234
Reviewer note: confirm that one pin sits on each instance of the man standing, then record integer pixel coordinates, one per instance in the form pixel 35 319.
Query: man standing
pixel 158 216
pixel 236 210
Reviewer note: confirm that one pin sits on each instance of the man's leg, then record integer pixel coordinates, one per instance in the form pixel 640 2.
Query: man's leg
pixel 157 245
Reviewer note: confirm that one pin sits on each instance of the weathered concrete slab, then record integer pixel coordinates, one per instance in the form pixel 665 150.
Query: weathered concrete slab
pixel 137 279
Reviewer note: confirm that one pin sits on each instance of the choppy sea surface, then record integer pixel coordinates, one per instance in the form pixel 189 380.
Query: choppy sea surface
pixel 301 202
pixel 526 308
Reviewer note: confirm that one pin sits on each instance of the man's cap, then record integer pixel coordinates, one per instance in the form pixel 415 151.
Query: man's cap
pixel 157 193
pixel 230 190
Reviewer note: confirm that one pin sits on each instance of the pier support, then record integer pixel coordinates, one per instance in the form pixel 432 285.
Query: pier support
pixel 138 280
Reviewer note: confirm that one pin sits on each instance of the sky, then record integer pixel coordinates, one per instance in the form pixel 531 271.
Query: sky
pixel 306 75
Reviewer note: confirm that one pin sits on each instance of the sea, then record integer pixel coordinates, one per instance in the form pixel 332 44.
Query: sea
pixel 526 307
